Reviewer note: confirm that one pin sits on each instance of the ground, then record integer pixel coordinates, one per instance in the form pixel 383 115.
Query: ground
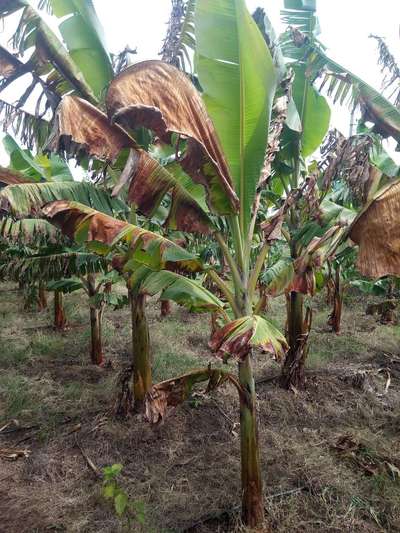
pixel 330 455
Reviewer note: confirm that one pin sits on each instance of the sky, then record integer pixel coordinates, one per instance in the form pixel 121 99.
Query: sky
pixel 345 27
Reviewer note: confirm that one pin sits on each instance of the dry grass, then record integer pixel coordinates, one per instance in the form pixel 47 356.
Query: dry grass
pixel 187 471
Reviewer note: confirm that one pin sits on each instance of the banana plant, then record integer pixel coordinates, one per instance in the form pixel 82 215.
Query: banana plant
pixel 219 140
pixel 307 195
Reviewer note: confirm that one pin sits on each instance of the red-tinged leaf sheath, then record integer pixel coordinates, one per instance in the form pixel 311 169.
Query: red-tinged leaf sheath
pixel 60 320
pixel 165 307
pixel 142 378
pixel 96 348
pixel 252 494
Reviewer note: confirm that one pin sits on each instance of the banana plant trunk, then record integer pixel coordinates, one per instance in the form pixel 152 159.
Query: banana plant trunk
pixel 293 370
pixel 336 315
pixel 96 348
pixel 42 297
pixel 60 320
pixel 252 493
pixel 142 378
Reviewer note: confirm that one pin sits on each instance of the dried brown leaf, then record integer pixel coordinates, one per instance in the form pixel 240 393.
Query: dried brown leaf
pixel 377 232
pixel 158 96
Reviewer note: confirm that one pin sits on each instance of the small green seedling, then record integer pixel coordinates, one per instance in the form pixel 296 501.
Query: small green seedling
pixel 123 506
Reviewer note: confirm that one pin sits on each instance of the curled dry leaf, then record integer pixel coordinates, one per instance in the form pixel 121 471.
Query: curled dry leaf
pixel 238 338
pixel 149 182
pixel 71 216
pixel 377 232
pixel 11 177
pixel 80 128
pixel 158 96
pixel 168 394
pixel 82 223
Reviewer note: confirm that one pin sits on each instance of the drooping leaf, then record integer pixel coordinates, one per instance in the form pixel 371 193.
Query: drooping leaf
pixel 28 231
pixel 278 277
pixel 85 42
pixel 164 396
pixel 31 130
pixel 145 247
pixel 26 199
pixel 238 79
pixel 375 107
pixel 376 231
pixel 82 129
pixel 238 338
pixel 52 266
pixel 182 290
pixel 66 286
pixel 159 97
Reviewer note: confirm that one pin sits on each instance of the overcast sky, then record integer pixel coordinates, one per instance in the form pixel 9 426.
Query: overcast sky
pixel 345 27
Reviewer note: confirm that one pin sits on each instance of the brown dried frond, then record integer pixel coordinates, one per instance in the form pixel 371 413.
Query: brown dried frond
pixel 348 160
pixel 377 232
pixel 180 34
pixel 389 68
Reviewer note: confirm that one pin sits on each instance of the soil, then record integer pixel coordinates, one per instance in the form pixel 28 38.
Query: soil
pixel 330 455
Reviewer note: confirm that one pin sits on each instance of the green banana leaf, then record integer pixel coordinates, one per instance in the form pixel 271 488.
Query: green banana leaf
pixel 314 112
pixel 85 42
pixel 238 78
pixel 184 291
pixel 36 168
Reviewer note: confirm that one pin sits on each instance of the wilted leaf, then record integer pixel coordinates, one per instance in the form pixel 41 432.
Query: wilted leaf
pixel 28 199
pixel 80 128
pixel 237 338
pixel 159 97
pixel 377 232
pixel 313 257
pixel 278 277
pixel 145 247
pixel 181 290
pixel 172 392
pixel 149 182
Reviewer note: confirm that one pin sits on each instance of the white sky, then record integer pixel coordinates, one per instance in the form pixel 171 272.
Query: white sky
pixel 345 26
